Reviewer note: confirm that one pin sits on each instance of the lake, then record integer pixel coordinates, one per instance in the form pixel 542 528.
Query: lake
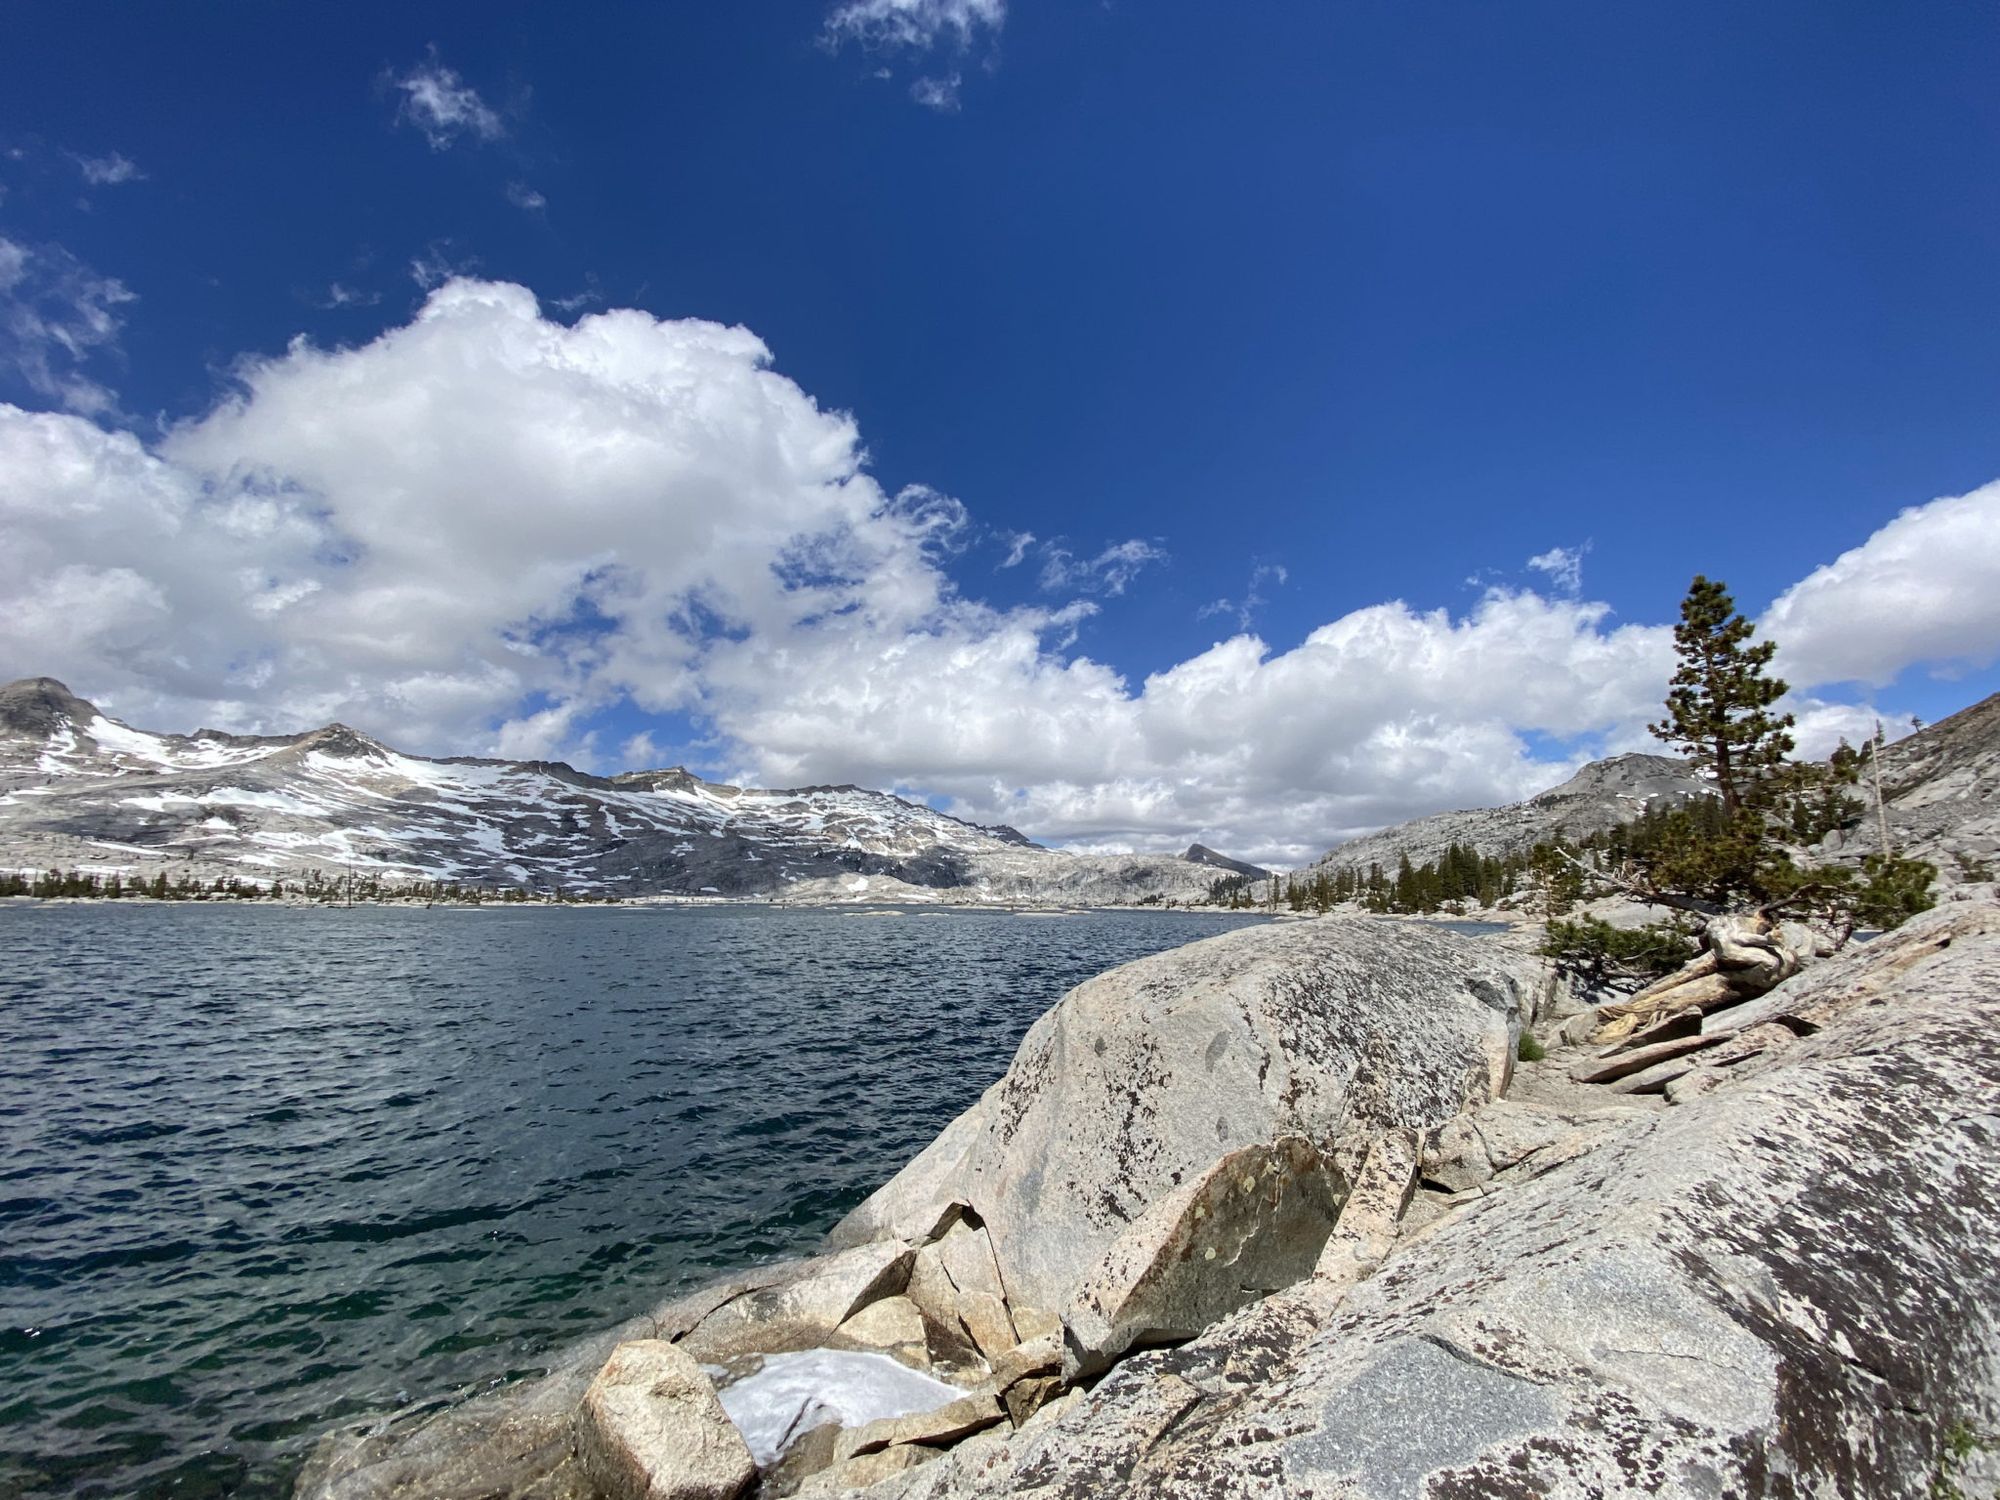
pixel 262 1169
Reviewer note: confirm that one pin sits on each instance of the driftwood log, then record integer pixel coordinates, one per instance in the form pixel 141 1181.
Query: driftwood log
pixel 1743 956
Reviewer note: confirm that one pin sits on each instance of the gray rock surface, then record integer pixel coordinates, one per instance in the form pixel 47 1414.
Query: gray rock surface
pixel 650 1428
pixel 893 1325
pixel 1601 795
pixel 1141 1077
pixel 801 1310
pixel 1942 786
pixel 1482 1143
pixel 1373 1213
pixel 859 1473
pixel 1785 1286
pixel 945 1424
pixel 1252 1224
pixel 967 1257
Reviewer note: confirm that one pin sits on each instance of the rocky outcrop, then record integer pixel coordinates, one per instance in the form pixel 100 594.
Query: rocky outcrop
pixel 1783 1287
pixel 1250 1225
pixel 1130 1090
pixel 651 1428
pixel 806 1307
pixel 1776 1278
pixel 1135 1084
pixel 1942 791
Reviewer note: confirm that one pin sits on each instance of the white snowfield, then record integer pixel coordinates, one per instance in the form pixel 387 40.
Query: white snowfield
pixel 334 799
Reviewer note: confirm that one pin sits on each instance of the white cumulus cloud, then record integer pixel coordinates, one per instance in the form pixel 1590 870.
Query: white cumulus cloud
pixel 481 528
pixel 1923 590
pixel 1380 714
pixel 479 509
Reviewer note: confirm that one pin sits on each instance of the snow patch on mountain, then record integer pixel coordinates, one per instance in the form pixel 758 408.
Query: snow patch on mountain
pixel 71 777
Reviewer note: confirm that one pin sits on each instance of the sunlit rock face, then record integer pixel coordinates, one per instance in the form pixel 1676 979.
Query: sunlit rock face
pixel 1785 1285
pixel 1141 1078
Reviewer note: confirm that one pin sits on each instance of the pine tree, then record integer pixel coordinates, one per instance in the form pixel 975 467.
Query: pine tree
pixel 1718 706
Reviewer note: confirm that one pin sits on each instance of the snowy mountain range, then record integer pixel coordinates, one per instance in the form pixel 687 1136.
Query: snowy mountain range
pixel 78 788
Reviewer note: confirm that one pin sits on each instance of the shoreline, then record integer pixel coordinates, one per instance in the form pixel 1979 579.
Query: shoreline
pixel 660 903
pixel 1429 1179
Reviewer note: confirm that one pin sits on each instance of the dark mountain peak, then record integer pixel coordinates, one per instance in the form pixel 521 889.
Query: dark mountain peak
pixel 39 706
pixel 668 779
pixel 1201 854
pixel 341 740
pixel 563 771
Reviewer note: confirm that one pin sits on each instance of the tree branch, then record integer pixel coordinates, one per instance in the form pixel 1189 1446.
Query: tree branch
pixel 1647 892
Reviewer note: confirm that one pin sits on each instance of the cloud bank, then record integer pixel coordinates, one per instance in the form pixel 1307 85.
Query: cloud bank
pixel 478 530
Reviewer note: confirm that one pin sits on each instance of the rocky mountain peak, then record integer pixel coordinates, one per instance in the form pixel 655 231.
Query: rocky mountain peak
pixel 39 706
pixel 670 779
pixel 1635 774
pixel 1201 854
pixel 341 740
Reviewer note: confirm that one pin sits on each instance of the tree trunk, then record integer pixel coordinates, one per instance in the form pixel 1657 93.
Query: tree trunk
pixel 1744 957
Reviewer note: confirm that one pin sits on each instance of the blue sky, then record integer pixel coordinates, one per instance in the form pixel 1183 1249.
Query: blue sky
pixel 1268 345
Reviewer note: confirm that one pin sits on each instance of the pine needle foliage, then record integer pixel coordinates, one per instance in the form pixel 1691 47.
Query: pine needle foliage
pixel 1719 701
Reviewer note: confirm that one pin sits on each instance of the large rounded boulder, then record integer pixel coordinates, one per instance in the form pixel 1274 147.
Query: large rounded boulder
pixel 1142 1077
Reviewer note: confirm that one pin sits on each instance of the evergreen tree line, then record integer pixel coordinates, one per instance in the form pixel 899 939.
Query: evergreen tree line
pixel 1555 872
pixel 314 885
pixel 1461 876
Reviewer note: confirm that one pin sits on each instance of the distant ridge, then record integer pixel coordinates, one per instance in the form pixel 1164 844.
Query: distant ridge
pixel 1601 795
pixel 1942 787
pixel 80 788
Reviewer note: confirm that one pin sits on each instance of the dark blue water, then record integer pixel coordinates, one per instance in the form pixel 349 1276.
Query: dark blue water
pixel 262 1169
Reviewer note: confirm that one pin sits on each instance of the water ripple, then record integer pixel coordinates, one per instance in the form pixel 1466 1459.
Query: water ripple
pixel 262 1170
